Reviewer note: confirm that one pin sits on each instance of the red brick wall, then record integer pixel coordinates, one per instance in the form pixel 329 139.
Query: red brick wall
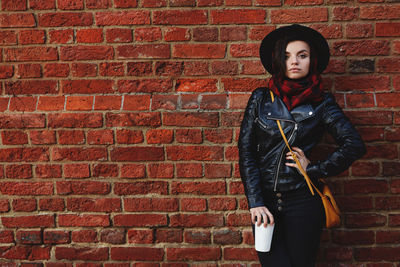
pixel 119 122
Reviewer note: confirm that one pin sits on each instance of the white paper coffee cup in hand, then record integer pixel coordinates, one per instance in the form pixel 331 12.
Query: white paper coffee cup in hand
pixel 263 237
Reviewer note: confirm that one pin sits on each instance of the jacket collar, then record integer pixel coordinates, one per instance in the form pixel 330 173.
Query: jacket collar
pixel 277 110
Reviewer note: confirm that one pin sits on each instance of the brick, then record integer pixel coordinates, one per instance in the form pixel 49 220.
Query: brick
pixel 144 86
pixel 387 99
pixel 137 154
pixel 56 237
pixel 31 87
pixel 242 84
pixel 196 68
pixel 363 220
pixel 302 15
pixel 363 100
pixel 180 17
pixel 193 204
pixel 65 19
pixel 30 221
pixel 112 236
pixel 61 36
pixel 345 13
pixel 100 137
pixel 213 170
pixel 71 137
pixel 244 50
pixel 159 136
pixel 17 20
pixel 70 220
pixel 365 169
pixel 243 254
pixel 56 70
pixel 227 236
pixel 70 5
pixel 14 137
pixel 187 254
pixel 380 12
pixel 238 16
pixel 112 69
pixel 84 236
pixel 150 204
pixel 136 253
pixel 50 103
pixel 360 48
pixel 203 153
pixel 25 71
pixel 140 220
pixel 187 119
pixel 198 188
pixel 86 52
pixel 129 136
pixel 141 188
pixel 13 5
pixel 218 136
pixel 75 120
pixel 394 220
pixel 119 35
pixel 138 69
pixel 238 3
pixel 387 237
pixel 22 103
pixel 377 254
pixel 6 236
pixel 27 252
pixel 79 154
pixel 29 237
pixel 23 171
pixel 222 203
pixel 141 236
pixel 211 102
pixel 192 220
pixel 79 103
pixel 24 204
pixel 87 86
pixel 354 237
pixel 108 102
pixel 134 17
pixel 147 34
pixel 83 188
pixel 362 83
pixel 133 171
pixel 125 4
pixel 89 36
pixel 190 101
pixel 189 170
pixel 387 203
pixel 51 204
pixel 359 30
pixel 203 34
pixel 24 154
pixel 94 205
pixel 136 102
pixel 166 102
pixel 390 65
pixel 94 4
pixel 203 3
pixel 203 85
pixel 169 235
pixel 238 219
pixel 31 37
pixel 160 170
pixel 105 170
pixel 175 34
pixel 362 66
pixel 84 70
pixel 224 68
pixel 368 117
pixel 191 136
pixel 143 51
pixel 91 254
pixel 26 188
pixel 8 37
pixel 339 254
pixel 4 207
pixel 198 51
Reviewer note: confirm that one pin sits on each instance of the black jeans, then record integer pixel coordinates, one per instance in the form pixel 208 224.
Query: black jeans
pixel 299 217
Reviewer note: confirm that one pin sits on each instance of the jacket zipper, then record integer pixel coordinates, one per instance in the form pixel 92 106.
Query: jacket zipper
pixel 281 157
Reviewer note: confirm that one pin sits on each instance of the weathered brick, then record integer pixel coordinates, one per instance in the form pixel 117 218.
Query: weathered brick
pixel 136 253
pixel 70 220
pixel 187 254
pixel 91 254
pixel 140 188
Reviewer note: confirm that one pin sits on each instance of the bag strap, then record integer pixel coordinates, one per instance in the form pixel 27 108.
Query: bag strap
pixel 302 171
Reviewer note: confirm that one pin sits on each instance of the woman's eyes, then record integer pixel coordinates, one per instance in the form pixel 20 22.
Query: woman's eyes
pixel 302 56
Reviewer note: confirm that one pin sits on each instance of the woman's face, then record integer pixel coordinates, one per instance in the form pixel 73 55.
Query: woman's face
pixel 297 59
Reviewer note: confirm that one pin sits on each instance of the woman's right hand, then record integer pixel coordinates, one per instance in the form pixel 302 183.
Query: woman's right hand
pixel 261 212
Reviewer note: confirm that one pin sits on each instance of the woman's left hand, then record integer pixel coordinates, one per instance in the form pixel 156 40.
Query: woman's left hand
pixel 300 156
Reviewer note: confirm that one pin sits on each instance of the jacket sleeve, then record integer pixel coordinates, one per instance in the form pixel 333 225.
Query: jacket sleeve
pixel 350 145
pixel 247 144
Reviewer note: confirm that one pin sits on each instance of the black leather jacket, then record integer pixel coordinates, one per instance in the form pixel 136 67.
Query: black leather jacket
pixel 262 149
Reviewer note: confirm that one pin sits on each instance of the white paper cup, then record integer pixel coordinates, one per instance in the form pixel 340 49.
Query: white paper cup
pixel 263 237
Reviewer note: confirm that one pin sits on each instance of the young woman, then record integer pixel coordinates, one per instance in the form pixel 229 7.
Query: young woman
pixel 276 191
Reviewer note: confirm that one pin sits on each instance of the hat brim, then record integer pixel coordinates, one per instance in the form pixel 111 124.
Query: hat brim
pixel 305 33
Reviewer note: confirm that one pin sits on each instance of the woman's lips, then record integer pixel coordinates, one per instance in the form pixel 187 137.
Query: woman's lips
pixel 294 70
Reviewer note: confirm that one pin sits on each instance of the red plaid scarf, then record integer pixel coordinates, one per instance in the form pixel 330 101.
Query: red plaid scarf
pixel 294 93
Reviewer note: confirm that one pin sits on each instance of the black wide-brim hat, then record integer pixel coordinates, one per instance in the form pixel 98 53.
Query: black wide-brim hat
pixel 295 32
